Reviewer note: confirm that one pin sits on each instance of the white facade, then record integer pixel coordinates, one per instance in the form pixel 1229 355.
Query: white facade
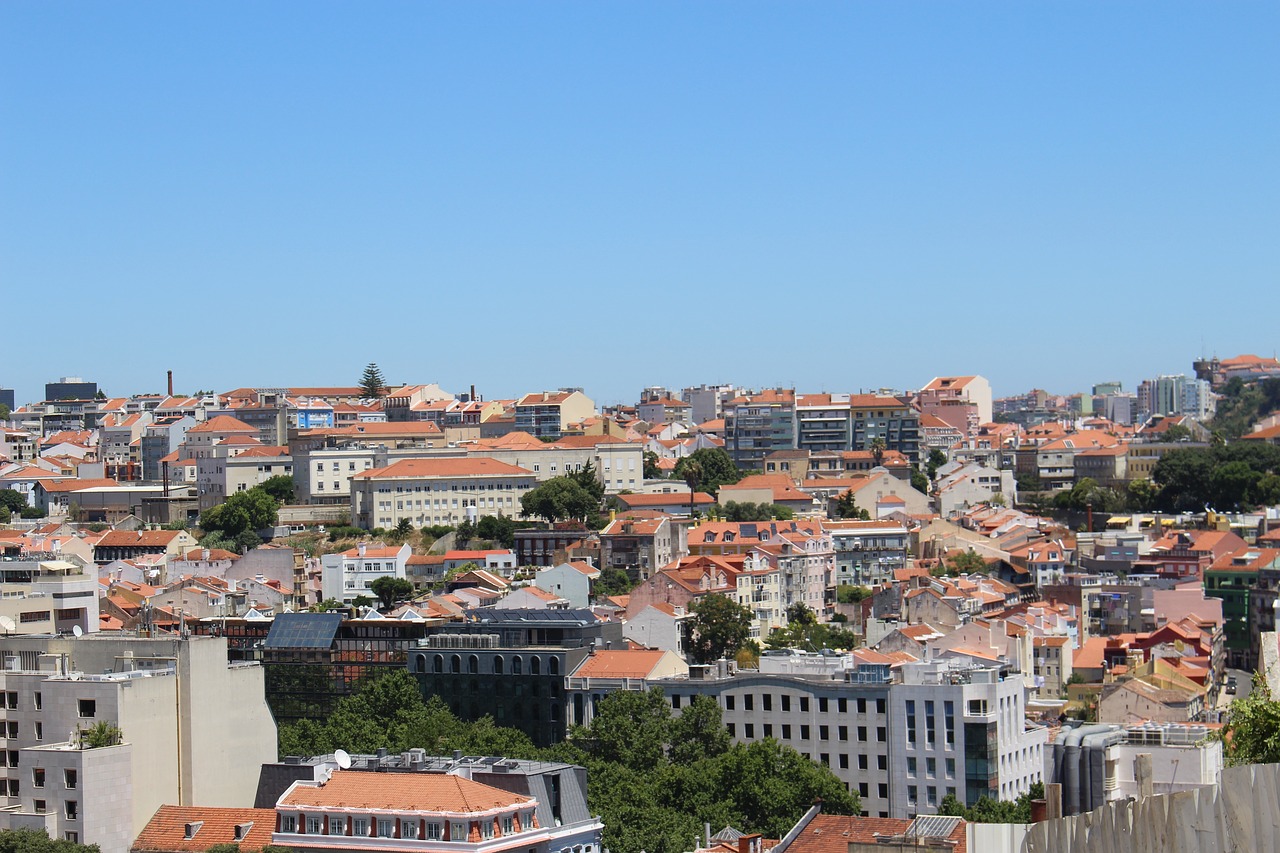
pixel 351 573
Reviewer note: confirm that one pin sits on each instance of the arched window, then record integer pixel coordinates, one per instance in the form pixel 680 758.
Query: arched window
pixel 473 664
pixel 497 664
pixel 517 665
pixel 553 666
pixel 455 664
pixel 535 665
pixel 419 663
pixel 439 664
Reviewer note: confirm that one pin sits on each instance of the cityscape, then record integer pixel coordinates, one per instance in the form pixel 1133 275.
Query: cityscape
pixel 664 427
pixel 931 610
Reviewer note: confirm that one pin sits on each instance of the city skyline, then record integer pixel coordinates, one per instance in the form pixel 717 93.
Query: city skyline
pixel 523 197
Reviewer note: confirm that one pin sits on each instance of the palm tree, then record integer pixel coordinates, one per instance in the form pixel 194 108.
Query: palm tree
pixel 693 477
pixel 877 448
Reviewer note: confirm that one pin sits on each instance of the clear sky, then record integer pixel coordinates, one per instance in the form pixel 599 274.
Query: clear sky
pixel 527 195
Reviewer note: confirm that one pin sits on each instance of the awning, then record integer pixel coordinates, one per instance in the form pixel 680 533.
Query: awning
pixel 1119 521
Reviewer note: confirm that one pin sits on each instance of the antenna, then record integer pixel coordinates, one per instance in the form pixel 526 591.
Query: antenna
pixel 77 630
pixel 342 758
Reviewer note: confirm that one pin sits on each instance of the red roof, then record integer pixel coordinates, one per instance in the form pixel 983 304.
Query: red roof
pixel 167 829
pixel 419 792
pixel 478 466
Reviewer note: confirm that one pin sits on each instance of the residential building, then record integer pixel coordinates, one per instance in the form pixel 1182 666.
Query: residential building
pixel 437 491
pixel 169 700
pixel 756 424
pixel 963 389
pixel 352 572
pixel 638 546
pixel 706 402
pixel 322 475
pixel 547 413
pixel 868 552
pixel 237 465
pixel 1230 578
pixel 569 581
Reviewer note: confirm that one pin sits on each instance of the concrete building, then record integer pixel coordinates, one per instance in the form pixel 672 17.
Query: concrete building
pixel 756 424
pixel 546 413
pixel 640 546
pixel 966 389
pixel 868 552
pixel 437 491
pixel 168 698
pixel 46 594
pixel 352 572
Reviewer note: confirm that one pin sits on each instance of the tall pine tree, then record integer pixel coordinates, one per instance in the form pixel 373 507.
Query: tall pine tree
pixel 372 383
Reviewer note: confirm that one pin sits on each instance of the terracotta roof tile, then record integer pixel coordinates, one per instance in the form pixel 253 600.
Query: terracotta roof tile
pixel 420 792
pixel 166 831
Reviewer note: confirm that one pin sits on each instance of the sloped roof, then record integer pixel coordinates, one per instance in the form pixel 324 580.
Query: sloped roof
pixel 420 792
pixel 166 831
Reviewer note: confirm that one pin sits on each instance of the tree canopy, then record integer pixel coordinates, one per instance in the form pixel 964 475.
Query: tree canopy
pixel 241 513
pixel 391 590
pixel 719 626
pixel 1239 475
pixel 714 468
pixel 560 499
pixel 279 487
pixel 1252 732
pixel 804 631
pixel 846 506
pixel 372 385
pixel 38 841
pixel 655 778
pixel 989 810
pixel 747 511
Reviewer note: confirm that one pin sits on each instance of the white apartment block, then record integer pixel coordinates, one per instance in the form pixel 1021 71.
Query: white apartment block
pixel 323 475
pixel 351 573
pixel 437 491
pixel 179 742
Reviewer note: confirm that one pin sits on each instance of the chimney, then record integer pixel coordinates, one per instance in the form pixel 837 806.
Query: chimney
pixel 170 383
pixel 360 549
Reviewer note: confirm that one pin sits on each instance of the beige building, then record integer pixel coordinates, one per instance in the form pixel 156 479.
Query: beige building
pixel 546 413
pixel 437 491
pixel 179 742
pixel 237 466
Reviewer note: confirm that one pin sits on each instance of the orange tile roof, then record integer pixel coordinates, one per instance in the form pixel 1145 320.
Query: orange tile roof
pixel 222 423
pixel 398 792
pixel 477 466
pixel 829 833
pixel 166 830
pixel 619 664
pixel 147 538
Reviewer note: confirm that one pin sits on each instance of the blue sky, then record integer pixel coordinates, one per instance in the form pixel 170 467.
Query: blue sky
pixel 529 195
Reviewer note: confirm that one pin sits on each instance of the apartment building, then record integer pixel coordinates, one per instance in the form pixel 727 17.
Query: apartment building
pixel 547 413
pixel 169 700
pixel 964 389
pixel 756 424
pixel 868 552
pixel 352 572
pixel 437 491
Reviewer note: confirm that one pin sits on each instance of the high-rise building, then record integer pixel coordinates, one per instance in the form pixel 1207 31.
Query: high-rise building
pixel 70 388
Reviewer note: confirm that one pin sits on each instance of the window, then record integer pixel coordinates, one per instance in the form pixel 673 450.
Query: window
pixel 880 734
pixel 73 837
pixel 768 729
pixel 41 806
pixel 786 703
pixel 731 728
pixel 844 762
pixel 804 703
pixel 749 730
pixel 768 702
pixel 951 768
pixel 862 706
pixel 337 824
pixel 912 795
pixel 862 734
pixel 72 810
pixel 13 729
pixel 882 790
pixel 39 700
pixel 911 766
pixel 408 829
pixel 842 732
pixel 786 732
pixel 822 705
pixel 862 762
pixel 360 826
pixel 880 706
pixel 13 787
pixel 508 825
pixel 39 731
pixel 289 823
pixel 804 733
pixel 457 831
pixel 749 702
pixel 486 828
pixel 386 828
pixel 882 761
pixel 37 777
pixel 931 767
pixel 864 790
pixel 728 702
pixel 435 831
pixel 824 733
pixel 88 707
pixel 11 700
pixel 315 825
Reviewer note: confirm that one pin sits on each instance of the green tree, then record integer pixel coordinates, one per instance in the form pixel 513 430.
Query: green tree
pixel 372 385
pixel 770 786
pixel 877 448
pixel 962 563
pixel 747 511
pixel 38 841
pixel 804 631
pixel 100 734
pixel 497 528
pixel 919 481
pixel 612 582
pixel 403 529
pixel 391 590
pixel 846 506
pixel 249 510
pixel 699 732
pixel 4 412
pixel 714 467
pixel 651 469
pixel 12 500
pixel 849 594
pixel 1252 731
pixel 631 728
pixel 719 627
pixel 935 461
pixel 280 487
pixel 590 483
pixel 558 499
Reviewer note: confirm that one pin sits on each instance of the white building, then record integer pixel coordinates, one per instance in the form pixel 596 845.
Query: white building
pixel 437 491
pixel 170 700
pixel 351 573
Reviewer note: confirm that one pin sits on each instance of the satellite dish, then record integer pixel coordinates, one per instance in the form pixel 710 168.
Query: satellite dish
pixel 342 758
pixel 7 623
pixel 77 630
